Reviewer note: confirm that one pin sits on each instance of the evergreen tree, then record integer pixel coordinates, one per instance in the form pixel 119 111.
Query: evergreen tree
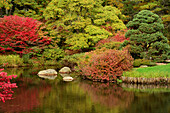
pixel 146 37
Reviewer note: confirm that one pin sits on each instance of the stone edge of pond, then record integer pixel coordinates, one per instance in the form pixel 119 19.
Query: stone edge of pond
pixel 144 86
pixel 142 80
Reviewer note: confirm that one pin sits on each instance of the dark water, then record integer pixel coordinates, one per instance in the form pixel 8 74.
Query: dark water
pixel 37 95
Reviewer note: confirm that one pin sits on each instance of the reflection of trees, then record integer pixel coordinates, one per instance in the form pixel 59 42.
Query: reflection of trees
pixel 71 98
pixel 27 71
pixel 65 98
pixel 26 96
pixel 150 103
pixel 111 96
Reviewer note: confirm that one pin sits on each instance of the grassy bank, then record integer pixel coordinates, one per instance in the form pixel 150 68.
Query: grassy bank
pixel 149 72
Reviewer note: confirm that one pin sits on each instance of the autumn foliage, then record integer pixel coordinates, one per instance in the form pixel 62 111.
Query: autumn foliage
pixel 114 40
pixel 6 86
pixel 20 35
pixel 105 65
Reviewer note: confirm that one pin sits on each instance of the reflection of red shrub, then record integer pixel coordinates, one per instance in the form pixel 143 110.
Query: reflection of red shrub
pixel 109 95
pixel 6 86
pixel 26 97
pixel 105 64
pixel 20 34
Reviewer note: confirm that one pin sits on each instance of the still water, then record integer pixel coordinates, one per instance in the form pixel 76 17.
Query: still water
pixel 38 95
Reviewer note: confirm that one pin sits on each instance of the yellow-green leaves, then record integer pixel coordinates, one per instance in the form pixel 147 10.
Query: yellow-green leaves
pixel 78 41
pixel 83 19
pixel 94 30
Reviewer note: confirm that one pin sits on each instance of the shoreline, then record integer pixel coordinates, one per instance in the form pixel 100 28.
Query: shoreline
pixel 142 80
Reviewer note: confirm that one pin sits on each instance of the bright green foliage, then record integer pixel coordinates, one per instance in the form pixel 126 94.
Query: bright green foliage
pixel 82 21
pixel 139 62
pixel 146 38
pixel 11 61
pixel 53 54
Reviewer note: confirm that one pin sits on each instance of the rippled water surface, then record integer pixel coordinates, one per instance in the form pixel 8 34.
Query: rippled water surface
pixel 38 95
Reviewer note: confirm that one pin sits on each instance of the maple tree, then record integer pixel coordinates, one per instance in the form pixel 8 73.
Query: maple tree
pixel 20 35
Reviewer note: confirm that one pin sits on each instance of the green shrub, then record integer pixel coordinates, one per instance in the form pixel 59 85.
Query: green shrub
pixel 71 60
pixel 26 58
pixel 139 62
pixel 53 54
pixel 11 61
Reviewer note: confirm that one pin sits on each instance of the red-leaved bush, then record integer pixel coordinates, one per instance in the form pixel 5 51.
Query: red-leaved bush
pixel 119 37
pixel 20 35
pixel 6 86
pixel 105 65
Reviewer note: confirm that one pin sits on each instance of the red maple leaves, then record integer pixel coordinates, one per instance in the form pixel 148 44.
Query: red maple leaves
pixel 20 35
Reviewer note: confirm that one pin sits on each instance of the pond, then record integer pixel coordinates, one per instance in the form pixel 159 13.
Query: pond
pixel 38 95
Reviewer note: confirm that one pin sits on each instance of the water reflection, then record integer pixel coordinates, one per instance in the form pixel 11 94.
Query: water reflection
pixel 48 77
pixel 28 96
pixel 108 95
pixel 36 95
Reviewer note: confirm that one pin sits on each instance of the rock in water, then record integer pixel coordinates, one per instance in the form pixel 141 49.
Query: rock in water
pixel 48 77
pixel 65 70
pixel 48 72
pixel 67 79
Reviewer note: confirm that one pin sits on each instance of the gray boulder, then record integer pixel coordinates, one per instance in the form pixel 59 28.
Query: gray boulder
pixel 48 72
pixel 65 70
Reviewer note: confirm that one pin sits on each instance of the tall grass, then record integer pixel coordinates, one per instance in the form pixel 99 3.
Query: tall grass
pixel 11 61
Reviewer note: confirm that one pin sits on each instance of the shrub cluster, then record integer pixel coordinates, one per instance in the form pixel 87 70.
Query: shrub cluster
pixel 139 62
pixel 105 65
pixel 20 35
pixel 11 61
pixel 113 42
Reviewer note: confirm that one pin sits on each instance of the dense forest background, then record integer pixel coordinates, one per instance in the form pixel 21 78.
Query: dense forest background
pixel 37 8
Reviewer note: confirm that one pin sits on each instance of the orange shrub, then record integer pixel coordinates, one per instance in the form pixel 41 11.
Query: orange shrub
pixel 105 64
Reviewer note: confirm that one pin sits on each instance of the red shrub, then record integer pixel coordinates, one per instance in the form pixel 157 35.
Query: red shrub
pixel 20 34
pixel 105 65
pixel 5 86
pixel 119 37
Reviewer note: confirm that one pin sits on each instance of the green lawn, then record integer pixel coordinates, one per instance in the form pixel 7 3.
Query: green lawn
pixel 150 72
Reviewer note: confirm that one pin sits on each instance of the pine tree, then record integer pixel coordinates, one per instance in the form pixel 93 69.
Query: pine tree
pixel 146 37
